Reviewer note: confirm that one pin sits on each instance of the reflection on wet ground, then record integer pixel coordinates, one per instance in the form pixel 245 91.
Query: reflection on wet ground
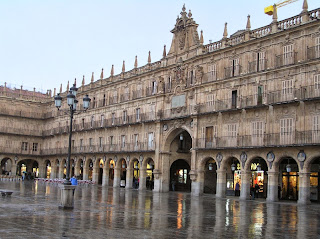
pixel 32 212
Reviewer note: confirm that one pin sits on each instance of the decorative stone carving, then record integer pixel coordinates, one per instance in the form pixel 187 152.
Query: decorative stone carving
pixel 243 158
pixel 219 158
pixel 301 158
pixel 199 74
pixel 270 158
pixel 193 175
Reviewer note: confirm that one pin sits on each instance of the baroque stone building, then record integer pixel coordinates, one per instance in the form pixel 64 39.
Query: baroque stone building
pixel 245 109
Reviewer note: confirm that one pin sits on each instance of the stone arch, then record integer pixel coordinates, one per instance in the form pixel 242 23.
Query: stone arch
pixel 132 161
pixel 179 175
pixel 204 161
pixel 279 159
pixel 309 161
pixel 251 159
pixel 228 160
pixel 6 165
pixel 172 134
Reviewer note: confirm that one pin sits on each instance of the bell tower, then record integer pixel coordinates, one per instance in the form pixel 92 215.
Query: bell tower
pixel 185 34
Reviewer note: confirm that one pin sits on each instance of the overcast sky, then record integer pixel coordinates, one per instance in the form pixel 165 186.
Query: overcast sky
pixel 44 43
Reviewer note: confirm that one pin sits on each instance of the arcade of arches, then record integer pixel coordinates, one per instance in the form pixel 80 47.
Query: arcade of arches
pixel 271 174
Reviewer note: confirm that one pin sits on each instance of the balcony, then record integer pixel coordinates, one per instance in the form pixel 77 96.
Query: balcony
pixel 286 59
pixel 232 71
pixel 313 52
pixel 295 138
pixel 257 66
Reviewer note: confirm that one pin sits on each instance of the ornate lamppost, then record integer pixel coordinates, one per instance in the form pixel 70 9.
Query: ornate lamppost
pixel 72 103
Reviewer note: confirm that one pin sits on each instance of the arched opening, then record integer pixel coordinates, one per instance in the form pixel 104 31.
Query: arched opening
pixel 64 168
pixel 101 164
pixel 150 176
pixel 315 180
pixel 179 176
pixel 48 169
pixel 259 178
pixel 6 165
pixel 289 172
pixel 72 166
pixel 123 173
pixel 210 176
pixel 90 171
pixel 80 176
pixel 111 172
pixel 136 174
pixel 22 169
pixel 35 170
pixel 233 169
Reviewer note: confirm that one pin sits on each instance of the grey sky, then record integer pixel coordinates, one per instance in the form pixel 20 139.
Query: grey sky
pixel 47 42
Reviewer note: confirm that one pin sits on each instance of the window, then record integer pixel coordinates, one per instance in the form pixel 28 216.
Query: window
pixel 81 144
pixel 152 111
pixel 316 129
pixel 210 102
pixel 209 136
pixel 257 133
pixel 191 77
pixel 139 91
pixel 113 118
pixel 212 72
pixel 94 102
pixel 102 121
pixel 317 48
pixel 316 79
pixel 90 142
pixel 35 147
pixel 136 140
pixel 104 100
pixel 258 94
pixel 232 131
pixel 154 87
pixel 234 99
pixel 24 146
pixel 288 56
pixel 72 143
pixel 92 121
pixel 150 141
pixel 123 141
pixel 100 142
pixel 111 140
pixel 115 96
pixel 83 123
pixel 138 114
pixel 287 90
pixel 124 116
pixel 169 84
pixel 235 67
pixel 261 62
pixel 286 131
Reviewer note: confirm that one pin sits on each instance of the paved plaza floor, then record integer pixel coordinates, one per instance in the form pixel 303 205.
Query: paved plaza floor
pixel 32 212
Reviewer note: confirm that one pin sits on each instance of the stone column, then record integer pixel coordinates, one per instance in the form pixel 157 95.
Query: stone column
pixel 105 176
pixel 53 171
pixel 221 183
pixel 245 185
pixel 67 196
pixel 157 181
pixel 60 172
pixel 197 183
pixel 142 179
pixel 95 173
pixel 42 171
pixel 162 184
pixel 77 170
pixel 304 188
pixel 85 172
pixel 116 179
pixel 14 169
pixel 129 178
pixel 273 182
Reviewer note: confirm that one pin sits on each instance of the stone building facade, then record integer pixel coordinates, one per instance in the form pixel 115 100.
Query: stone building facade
pixel 245 109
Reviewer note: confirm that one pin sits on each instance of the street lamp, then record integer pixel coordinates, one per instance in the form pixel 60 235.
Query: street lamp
pixel 72 103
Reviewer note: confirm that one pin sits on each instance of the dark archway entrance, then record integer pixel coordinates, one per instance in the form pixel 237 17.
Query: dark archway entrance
pixel 179 176
pixel 290 179
pixel 6 165
pixel 259 178
pixel 315 180
pixel 210 177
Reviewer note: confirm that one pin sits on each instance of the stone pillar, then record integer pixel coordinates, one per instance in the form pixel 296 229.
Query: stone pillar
pixel 273 182
pixel 164 179
pixel 245 185
pixel 116 179
pixel 85 172
pixel 197 183
pixel 60 173
pixel 129 178
pixel 304 188
pixel 42 171
pixel 105 176
pixel 142 179
pixel 14 169
pixel 157 181
pixel 67 196
pixel 77 170
pixel 95 173
pixel 221 183
pixel 53 171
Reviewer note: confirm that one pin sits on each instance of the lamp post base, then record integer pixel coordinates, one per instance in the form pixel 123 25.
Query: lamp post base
pixel 67 196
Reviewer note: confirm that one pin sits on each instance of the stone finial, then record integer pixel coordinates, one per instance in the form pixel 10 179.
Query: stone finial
pixel 54 91
pixel 112 70
pixel 225 32
pixel 275 15
pixel 189 14
pixel 75 81
pixel 305 6
pixel 164 54
pixel 92 77
pixel 201 37
pixel 60 88
pixel 248 27
pixel 149 58
pixel 184 7
pixel 136 62
pixel 68 87
pixel 83 81
pixel 123 66
pixel 101 75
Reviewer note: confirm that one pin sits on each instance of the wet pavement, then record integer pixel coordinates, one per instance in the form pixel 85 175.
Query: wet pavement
pixel 32 212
